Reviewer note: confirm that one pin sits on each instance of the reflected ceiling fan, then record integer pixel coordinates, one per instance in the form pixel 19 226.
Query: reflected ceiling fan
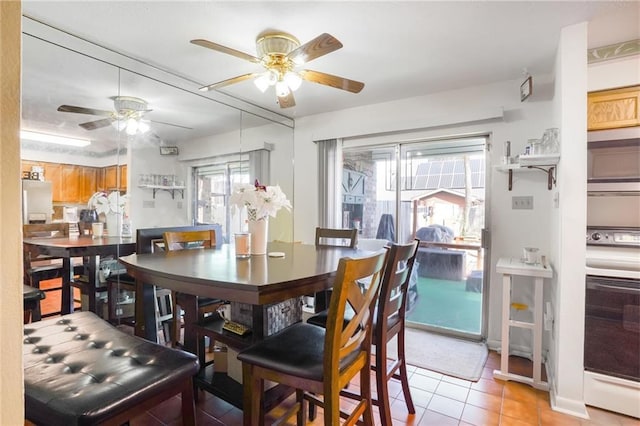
pixel 280 54
pixel 127 115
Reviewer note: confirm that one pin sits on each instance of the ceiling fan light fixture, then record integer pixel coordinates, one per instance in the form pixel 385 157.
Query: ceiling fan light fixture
pixel 282 89
pixel 47 138
pixel 119 124
pixel 132 126
pixel 293 80
pixel 143 126
pixel 262 82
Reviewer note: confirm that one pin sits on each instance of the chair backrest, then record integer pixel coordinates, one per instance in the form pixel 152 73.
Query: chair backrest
pixel 392 303
pixel 46 230
pixel 348 342
pixel 179 240
pixel 146 237
pixel 329 237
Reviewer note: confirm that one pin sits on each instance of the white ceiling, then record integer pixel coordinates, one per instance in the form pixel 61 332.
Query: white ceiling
pixel 398 49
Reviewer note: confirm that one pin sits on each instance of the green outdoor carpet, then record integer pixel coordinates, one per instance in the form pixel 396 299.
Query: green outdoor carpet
pixel 444 303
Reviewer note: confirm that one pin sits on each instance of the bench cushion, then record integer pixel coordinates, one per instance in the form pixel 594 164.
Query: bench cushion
pixel 79 369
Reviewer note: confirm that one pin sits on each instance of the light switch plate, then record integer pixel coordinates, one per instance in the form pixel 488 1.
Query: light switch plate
pixel 522 203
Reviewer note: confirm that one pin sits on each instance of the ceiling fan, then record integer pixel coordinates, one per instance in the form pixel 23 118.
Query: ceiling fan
pixel 127 115
pixel 280 54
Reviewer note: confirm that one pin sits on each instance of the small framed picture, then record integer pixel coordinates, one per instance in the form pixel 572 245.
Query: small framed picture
pixel 168 150
pixel 526 88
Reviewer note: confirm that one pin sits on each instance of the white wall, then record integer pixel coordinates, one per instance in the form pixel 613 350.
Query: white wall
pixel 145 211
pixel 569 223
pixel 456 112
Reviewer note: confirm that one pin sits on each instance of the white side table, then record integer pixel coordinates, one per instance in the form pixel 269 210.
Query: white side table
pixel 509 267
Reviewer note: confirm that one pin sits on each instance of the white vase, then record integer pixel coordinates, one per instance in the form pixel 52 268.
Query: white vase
pixel 258 230
pixel 114 224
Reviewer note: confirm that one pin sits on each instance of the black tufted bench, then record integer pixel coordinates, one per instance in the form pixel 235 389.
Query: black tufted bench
pixel 80 370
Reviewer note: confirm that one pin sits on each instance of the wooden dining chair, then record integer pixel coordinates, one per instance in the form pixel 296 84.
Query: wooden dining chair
pixel 31 298
pixel 388 322
pixel 180 240
pixel 331 237
pixel 320 361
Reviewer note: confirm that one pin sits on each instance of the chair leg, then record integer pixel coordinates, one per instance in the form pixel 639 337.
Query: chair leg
pixel 252 396
pixel 381 383
pixel 402 375
pixel 365 393
pixel 175 324
pixel 188 404
pixel 36 313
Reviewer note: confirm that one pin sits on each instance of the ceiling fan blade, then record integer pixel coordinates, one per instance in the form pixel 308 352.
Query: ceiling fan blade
pixel 228 81
pixel 319 46
pixel 332 80
pixel 229 51
pixel 82 110
pixel 287 101
pixel 92 125
pixel 171 124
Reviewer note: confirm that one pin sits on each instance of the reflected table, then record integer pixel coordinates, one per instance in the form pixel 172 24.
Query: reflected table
pixel 83 246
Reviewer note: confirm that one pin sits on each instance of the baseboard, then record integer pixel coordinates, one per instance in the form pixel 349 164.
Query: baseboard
pixel 573 407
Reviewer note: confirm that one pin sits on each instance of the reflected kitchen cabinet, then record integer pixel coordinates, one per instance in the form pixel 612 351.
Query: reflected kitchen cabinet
pixel 70 180
pixel 88 182
pixel 71 183
pixel 114 178
pixel 53 174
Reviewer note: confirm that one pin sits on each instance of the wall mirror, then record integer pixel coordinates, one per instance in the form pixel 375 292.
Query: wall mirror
pixel 129 111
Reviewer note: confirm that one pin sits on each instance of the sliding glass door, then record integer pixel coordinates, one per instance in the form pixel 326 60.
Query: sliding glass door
pixel 213 185
pixel 436 190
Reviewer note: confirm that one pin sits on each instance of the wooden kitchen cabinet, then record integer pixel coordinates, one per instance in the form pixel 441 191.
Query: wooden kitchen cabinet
pixel 610 109
pixel 53 174
pixel 70 180
pixel 76 184
pixel 123 178
pixel 110 178
pixel 115 178
pixel 88 183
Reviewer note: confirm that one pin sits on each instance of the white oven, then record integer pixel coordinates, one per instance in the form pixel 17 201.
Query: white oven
pixel 612 319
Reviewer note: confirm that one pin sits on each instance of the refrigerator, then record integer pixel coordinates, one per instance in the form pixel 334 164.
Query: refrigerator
pixel 37 201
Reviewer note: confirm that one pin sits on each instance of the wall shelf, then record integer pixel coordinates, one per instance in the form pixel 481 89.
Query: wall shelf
pixel 546 163
pixel 171 189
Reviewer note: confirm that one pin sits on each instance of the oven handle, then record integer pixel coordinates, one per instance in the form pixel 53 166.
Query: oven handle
pixel 599 286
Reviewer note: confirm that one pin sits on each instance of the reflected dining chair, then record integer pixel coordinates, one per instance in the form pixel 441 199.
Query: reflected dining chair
pixel 320 361
pixel 332 237
pixel 180 240
pixel 41 268
pixel 388 322
pixel 31 298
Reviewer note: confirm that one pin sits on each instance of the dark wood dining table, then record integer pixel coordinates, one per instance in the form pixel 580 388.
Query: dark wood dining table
pixel 217 273
pixel 92 249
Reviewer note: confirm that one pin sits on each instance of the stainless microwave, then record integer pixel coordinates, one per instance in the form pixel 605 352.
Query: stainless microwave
pixel 613 160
